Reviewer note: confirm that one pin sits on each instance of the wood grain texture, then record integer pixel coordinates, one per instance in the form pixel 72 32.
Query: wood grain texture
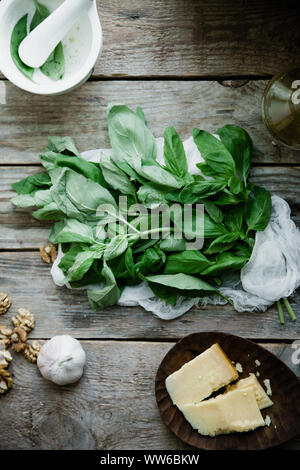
pixel 18 229
pixel 60 310
pixel 27 120
pixel 197 38
pixel 112 407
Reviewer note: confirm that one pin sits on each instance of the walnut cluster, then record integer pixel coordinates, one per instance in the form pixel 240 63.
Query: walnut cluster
pixel 32 351
pixel 48 253
pixel 23 323
pixel 24 319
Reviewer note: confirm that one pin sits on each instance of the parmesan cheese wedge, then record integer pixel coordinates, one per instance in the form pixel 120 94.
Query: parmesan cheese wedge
pixel 199 378
pixel 262 398
pixel 235 411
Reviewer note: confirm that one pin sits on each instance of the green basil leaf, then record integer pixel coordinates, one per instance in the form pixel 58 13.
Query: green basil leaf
pixel 213 211
pixel 64 145
pixel 69 257
pixel 77 196
pixel 82 263
pixel 152 196
pixel 234 219
pixel 174 154
pixel 240 145
pixel 49 212
pixel 32 183
pixel 88 169
pixel 214 152
pixel 224 262
pixel 195 191
pixel 133 175
pixel 156 174
pixel 40 14
pixel 71 230
pixel 258 210
pixel 130 138
pixel 24 201
pixel 54 67
pixel 188 262
pixel 115 177
pixel 151 260
pixel 116 247
pixel 171 244
pixel 213 229
pixel 183 283
pixel 129 262
pixel 235 185
pixel 222 243
pixel 140 113
pixel 108 295
pixel 19 33
pixel 225 198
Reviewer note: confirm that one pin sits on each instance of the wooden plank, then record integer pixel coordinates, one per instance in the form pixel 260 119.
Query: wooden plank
pixel 60 310
pixel 27 120
pixel 112 407
pixel 20 230
pixel 166 38
pixel 202 38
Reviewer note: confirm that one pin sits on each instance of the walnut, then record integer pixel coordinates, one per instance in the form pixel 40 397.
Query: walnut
pixel 5 334
pixel 5 358
pixel 32 351
pixel 48 253
pixel 24 319
pixel 5 381
pixel 5 303
pixel 18 339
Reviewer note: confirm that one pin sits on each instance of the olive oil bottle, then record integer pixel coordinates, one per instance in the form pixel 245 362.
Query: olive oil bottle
pixel 281 107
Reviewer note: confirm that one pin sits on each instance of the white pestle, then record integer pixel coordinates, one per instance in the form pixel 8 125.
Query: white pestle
pixel 35 49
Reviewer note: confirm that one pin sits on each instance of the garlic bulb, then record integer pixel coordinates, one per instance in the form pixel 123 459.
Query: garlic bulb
pixel 61 360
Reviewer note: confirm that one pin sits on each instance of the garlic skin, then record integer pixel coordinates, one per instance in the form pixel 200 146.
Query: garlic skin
pixel 61 360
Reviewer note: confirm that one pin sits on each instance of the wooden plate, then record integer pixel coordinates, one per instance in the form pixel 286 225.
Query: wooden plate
pixel 284 414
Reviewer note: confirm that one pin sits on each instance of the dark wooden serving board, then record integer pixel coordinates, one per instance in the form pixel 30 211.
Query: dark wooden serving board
pixel 284 414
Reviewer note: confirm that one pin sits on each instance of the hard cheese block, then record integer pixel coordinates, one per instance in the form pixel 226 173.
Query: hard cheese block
pixel 235 411
pixel 262 398
pixel 200 377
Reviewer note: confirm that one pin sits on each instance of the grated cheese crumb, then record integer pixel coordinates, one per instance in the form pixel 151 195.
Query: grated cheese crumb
pixel 268 387
pixel 257 362
pixel 268 420
pixel 257 374
pixel 239 367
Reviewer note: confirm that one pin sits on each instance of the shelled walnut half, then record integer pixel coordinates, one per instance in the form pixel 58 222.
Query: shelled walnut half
pixel 19 339
pixel 6 381
pixel 32 351
pixel 5 358
pixel 48 253
pixel 5 334
pixel 24 319
pixel 5 303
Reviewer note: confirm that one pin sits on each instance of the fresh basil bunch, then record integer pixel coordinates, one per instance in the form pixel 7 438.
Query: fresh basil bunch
pixel 71 189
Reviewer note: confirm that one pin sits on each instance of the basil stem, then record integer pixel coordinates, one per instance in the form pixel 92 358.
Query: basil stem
pixel 289 309
pixel 280 312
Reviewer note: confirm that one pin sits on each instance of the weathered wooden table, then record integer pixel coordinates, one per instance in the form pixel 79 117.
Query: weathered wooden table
pixel 187 63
